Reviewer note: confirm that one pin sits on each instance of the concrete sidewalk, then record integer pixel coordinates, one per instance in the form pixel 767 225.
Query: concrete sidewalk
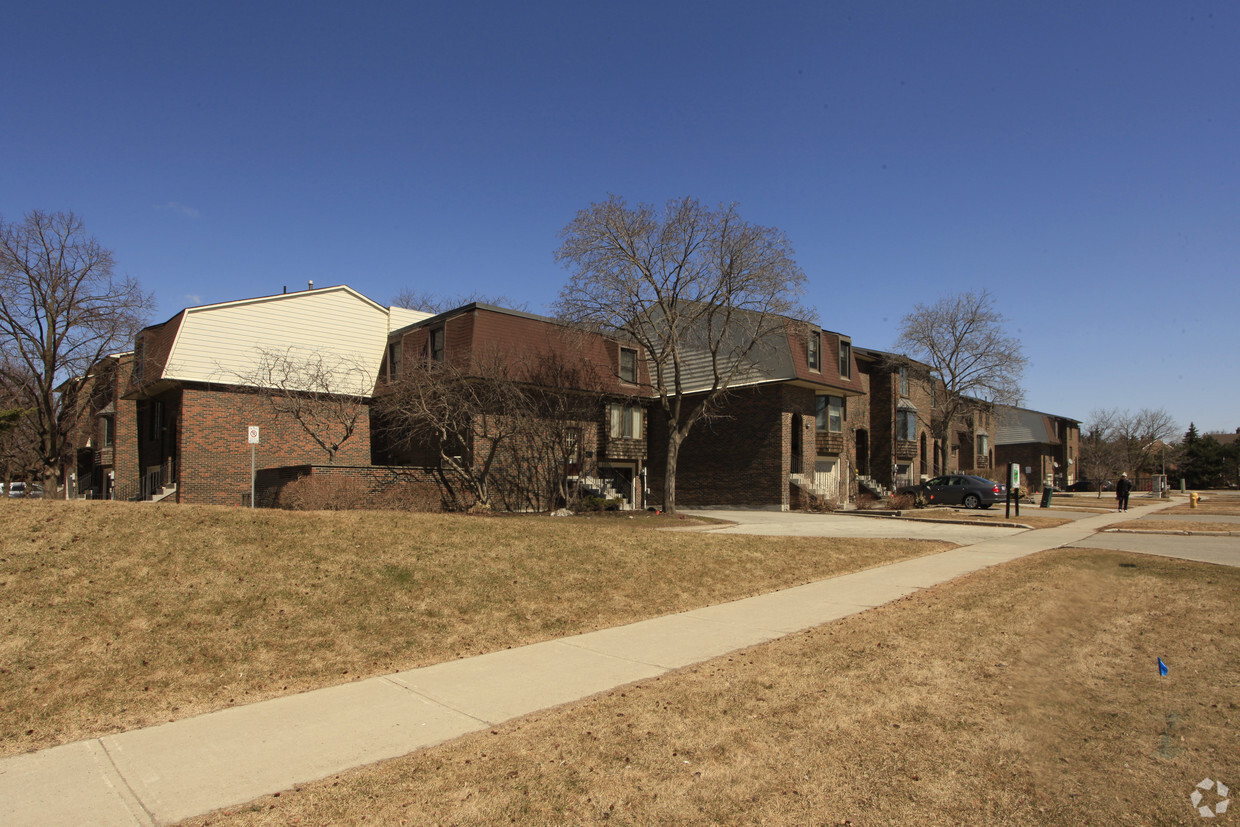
pixel 189 767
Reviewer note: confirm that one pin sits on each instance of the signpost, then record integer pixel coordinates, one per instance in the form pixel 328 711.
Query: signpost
pixel 1012 487
pixel 252 435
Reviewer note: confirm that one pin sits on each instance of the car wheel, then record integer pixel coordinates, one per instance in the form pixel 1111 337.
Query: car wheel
pixel 971 501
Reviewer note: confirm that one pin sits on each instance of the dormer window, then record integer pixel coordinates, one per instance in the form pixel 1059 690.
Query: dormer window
pixel 845 359
pixel 628 365
pixel 814 352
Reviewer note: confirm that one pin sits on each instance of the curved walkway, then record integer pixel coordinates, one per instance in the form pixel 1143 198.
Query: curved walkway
pixel 189 767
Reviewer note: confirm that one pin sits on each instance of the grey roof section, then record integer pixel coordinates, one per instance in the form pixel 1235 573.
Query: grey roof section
pixel 1017 426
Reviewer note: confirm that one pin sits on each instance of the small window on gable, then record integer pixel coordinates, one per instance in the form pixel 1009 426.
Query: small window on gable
pixel 814 352
pixel 109 430
pixel 393 361
pixel 436 344
pixel 904 381
pixel 845 359
pixel 983 445
pixel 628 365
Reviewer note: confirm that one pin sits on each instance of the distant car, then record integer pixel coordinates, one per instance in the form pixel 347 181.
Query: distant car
pixel 19 490
pixel 958 489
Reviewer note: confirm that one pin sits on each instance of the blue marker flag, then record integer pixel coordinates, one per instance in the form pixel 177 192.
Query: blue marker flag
pixel 1162 668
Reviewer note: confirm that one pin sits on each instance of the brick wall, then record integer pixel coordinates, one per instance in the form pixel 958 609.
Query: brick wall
pixel 214 456
pixel 740 460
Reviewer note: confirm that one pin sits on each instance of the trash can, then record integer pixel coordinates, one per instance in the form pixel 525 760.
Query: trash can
pixel 1046 497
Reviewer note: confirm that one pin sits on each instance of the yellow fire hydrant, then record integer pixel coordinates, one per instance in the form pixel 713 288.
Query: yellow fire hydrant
pixel 1192 499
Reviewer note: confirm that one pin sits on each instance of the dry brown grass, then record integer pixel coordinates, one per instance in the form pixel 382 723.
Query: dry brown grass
pixel 120 615
pixel 1024 694
pixel 1210 505
pixel 1195 526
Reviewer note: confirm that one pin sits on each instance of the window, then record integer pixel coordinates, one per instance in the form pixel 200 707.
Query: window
pixel 156 414
pixel 109 430
pixel 906 425
pixel 829 416
pixel 393 361
pixel 628 365
pixel 983 445
pixel 814 354
pixel 625 421
pixel 436 344
pixel 845 359
pixel 904 381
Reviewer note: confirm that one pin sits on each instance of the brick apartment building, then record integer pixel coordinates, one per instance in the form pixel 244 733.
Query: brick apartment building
pixel 202 378
pixel 811 415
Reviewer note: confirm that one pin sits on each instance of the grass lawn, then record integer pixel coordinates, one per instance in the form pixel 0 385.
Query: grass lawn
pixel 1023 694
pixel 122 615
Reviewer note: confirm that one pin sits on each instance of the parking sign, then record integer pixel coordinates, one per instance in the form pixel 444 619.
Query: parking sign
pixel 253 434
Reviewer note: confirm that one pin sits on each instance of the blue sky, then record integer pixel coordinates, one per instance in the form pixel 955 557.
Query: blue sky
pixel 1079 160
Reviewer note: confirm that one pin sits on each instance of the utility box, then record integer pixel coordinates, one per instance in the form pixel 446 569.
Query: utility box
pixel 1046 497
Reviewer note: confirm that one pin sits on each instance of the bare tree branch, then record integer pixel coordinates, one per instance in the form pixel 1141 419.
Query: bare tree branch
pixel 321 393
pixel 962 340
pixel 701 292
pixel 61 310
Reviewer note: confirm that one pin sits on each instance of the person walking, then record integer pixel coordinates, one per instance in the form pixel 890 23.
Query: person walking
pixel 1121 492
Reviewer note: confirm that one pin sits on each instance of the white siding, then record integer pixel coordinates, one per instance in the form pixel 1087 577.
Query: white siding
pixel 223 342
pixel 403 317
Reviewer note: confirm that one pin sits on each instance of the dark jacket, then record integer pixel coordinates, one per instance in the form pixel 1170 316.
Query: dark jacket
pixel 1122 487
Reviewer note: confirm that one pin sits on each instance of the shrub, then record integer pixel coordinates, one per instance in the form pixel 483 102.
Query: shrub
pixel 422 497
pixel 813 502
pixel 323 493
pixel 593 502
pixel 907 501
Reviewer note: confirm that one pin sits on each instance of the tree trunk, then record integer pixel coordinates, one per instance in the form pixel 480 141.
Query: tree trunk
pixel 674 439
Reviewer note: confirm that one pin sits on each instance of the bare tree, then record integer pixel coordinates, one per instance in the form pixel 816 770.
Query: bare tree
pixel 701 292
pixel 413 299
pixel 1141 435
pixel 962 340
pixel 324 394
pixel 1099 451
pixel 61 310
pixel 463 418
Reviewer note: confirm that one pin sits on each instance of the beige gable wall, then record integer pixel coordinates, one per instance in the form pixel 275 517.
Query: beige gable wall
pixel 224 342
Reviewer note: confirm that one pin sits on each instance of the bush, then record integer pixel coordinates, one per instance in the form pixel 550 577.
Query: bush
pixel 813 502
pixel 593 502
pixel 323 493
pixel 422 497
pixel 904 502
